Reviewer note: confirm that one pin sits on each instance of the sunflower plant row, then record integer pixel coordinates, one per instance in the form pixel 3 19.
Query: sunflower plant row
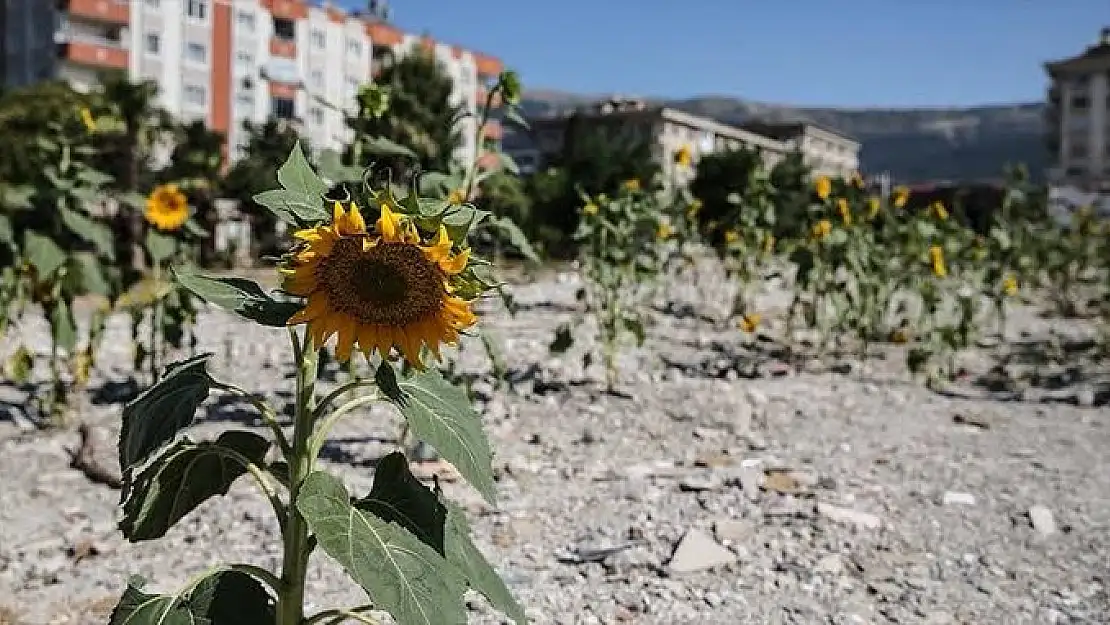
pixel 384 278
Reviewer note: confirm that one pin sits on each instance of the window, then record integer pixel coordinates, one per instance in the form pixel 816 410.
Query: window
pixel 317 37
pixel 282 108
pixel 196 52
pixel 196 9
pixel 318 78
pixel 244 58
pixel 246 20
pixel 195 94
pixel 354 46
pixel 317 115
pixel 153 43
pixel 284 29
pixel 1080 102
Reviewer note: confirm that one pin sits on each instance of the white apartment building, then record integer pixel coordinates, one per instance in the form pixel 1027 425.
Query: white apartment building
pixel 231 61
pixel 1078 118
pixel 671 130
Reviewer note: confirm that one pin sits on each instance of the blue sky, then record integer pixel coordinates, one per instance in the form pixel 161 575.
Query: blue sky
pixel 857 53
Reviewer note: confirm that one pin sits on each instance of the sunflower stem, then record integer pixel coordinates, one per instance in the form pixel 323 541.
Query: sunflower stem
pixel 297 546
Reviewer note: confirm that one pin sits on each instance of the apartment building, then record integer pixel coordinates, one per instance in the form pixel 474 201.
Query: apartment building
pixel 671 130
pixel 26 42
pixel 1077 118
pixel 231 61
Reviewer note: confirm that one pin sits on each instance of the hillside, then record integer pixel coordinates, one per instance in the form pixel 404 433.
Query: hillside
pixel 913 144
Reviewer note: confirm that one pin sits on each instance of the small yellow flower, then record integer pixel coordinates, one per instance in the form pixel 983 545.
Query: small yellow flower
pixel 167 208
pixel 632 185
pixel 874 204
pixel 88 120
pixel 857 180
pixel 590 209
pixel 822 187
pixel 749 322
pixel 457 197
pixel 845 211
pixel 664 231
pixel 936 257
pixel 693 209
pixel 822 229
pixel 732 236
pixel 684 156
pixel 900 196
pixel 937 208
pixel 1010 286
pixel 768 244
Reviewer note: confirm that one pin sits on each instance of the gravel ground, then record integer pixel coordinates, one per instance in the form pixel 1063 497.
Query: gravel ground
pixel 719 486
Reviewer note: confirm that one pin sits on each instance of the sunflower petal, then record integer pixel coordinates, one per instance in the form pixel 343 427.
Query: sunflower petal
pixel 355 223
pixel 388 224
pixel 454 266
pixel 345 343
pixel 316 306
pixel 337 213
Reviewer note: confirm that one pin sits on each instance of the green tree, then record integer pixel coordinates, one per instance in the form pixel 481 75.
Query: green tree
pixel 420 117
pixel 721 178
pixel 793 193
pixel 128 144
pixel 268 145
pixel 195 165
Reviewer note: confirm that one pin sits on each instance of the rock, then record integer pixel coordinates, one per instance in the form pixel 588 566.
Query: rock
pixel 698 552
pixel 847 516
pixel 972 420
pixel 1041 519
pixel 698 483
pixel 1085 398
pixel 951 498
pixel 732 530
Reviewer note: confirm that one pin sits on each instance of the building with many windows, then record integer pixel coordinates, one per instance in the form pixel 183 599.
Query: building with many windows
pixel 1078 118
pixel 229 61
pixel 670 130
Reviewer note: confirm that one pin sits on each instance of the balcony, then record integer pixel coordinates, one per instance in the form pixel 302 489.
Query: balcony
pixel 287 9
pixel 111 11
pixel 94 52
pixel 283 48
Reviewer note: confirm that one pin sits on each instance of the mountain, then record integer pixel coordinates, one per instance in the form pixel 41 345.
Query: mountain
pixel 914 145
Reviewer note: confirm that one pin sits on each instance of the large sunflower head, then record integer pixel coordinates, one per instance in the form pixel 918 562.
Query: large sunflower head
pixel 167 208
pixel 383 288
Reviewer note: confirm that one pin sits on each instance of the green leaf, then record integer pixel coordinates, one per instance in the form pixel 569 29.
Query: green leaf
pixel 43 253
pixel 184 476
pixel 159 246
pixel 297 175
pixel 63 328
pixel 143 293
pixel 293 207
pixel 332 167
pixel 381 146
pixel 459 221
pixel 440 414
pixel 90 230
pixel 481 576
pixel 239 295
pixel 90 274
pixel 6 233
pixel 511 115
pixel 515 237
pixel 223 597
pixel 154 418
pixel 93 177
pixel 399 497
pixel 401 574
pixel 194 228
pixel 17 197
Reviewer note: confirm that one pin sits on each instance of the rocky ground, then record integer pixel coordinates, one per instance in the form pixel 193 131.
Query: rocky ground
pixel 719 486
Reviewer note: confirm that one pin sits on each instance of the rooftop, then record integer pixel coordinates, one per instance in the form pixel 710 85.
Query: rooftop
pixel 1094 57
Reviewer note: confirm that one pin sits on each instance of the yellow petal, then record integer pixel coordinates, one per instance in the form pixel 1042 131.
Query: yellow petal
pixel 316 306
pixel 352 222
pixel 454 266
pixel 346 341
pixel 388 224
pixel 337 213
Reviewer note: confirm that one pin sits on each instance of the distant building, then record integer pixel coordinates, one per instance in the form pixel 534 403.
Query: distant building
pixel 669 130
pixel 27 41
pixel 826 151
pixel 1078 118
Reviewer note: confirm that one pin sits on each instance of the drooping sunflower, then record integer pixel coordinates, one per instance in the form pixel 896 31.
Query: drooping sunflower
pixel 167 208
pixel 684 156
pixel 822 187
pixel 377 290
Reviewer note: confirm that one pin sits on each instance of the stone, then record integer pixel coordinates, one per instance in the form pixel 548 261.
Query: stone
pixel 951 498
pixel 1085 398
pixel 1041 519
pixel 699 482
pixel 698 552
pixel 732 530
pixel 847 516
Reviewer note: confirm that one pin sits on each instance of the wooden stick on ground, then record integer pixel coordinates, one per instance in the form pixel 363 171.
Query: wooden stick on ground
pixel 84 460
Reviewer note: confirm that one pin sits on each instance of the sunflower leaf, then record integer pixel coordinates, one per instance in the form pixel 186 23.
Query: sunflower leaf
pixel 43 253
pixel 90 230
pixel 515 236
pixel 155 417
pixel 398 496
pixel 297 175
pixel 293 207
pixel 160 246
pixel 226 596
pixel 462 552
pixel 402 574
pixel 440 413
pixel 239 295
pixel 185 475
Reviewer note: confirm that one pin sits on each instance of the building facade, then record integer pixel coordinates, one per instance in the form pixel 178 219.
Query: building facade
pixel 227 62
pixel 1078 118
pixel 670 130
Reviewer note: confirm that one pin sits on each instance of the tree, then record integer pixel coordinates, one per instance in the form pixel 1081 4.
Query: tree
pixel 26 117
pixel 268 145
pixel 140 126
pixel 420 117
pixel 721 177
pixel 790 179
pixel 195 165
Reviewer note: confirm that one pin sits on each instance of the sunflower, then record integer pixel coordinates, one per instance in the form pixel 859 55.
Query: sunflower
pixel 731 236
pixel 379 290
pixel 632 185
pixel 664 231
pixel 936 259
pixel 87 119
pixel 167 208
pixel 822 187
pixel 590 209
pixel 1010 286
pixel 900 196
pixel 874 204
pixel 938 209
pixel 845 211
pixel 822 229
pixel 749 322
pixel 684 156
